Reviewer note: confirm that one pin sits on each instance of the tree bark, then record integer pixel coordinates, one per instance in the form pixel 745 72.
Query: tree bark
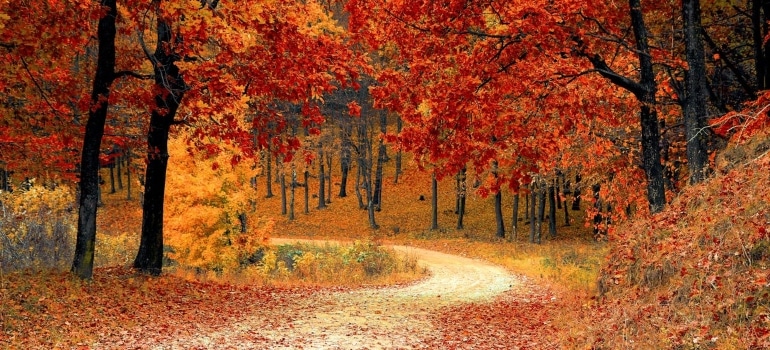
pixel 282 182
pixel 696 93
pixel 345 157
pixel 321 178
pixel 461 193
pixel 293 190
pixel 399 125
pixel 307 191
pixel 128 173
pixel 532 217
pixel 515 218
pixel 552 210
pixel 83 261
pixel 644 90
pixel 168 80
pixel 540 214
pixel 500 233
pixel 269 172
pixel 434 203
pixel 328 178
pixel 382 157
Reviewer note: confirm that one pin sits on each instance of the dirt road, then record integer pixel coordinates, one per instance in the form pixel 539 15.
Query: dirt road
pixel 387 318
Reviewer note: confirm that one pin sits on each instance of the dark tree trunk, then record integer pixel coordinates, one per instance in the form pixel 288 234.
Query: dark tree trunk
pixel 329 178
pixel 532 214
pixel 644 90
pixel 515 218
pixel 282 182
pixel 365 169
pixel 345 157
pixel 119 170
pixel 565 193
pixel 269 172
pixel 128 173
pixel 321 178
pixel 576 200
pixel 552 210
pixel 293 190
pixel 382 157
pixel 433 203
pixel 399 125
pixel 169 81
pixel 83 261
pixel 112 179
pixel 540 213
pixel 500 233
pixel 598 206
pixel 307 192
pixel 461 193
pixel 759 42
pixel 695 99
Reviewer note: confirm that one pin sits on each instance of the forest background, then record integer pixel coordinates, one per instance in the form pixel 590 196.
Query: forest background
pixel 528 134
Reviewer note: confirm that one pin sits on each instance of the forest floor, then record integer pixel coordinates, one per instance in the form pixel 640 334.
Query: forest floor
pixel 452 308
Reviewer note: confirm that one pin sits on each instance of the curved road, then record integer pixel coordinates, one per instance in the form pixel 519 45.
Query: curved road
pixel 386 318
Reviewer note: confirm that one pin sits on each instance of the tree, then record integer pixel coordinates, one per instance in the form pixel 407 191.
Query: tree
pixel 83 262
pixel 694 100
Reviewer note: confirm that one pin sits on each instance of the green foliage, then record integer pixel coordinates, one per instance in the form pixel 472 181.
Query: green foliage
pixel 36 228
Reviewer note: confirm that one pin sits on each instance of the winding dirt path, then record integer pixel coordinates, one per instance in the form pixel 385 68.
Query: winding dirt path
pixel 386 318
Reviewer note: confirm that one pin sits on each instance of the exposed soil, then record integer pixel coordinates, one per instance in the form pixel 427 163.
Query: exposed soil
pixel 385 318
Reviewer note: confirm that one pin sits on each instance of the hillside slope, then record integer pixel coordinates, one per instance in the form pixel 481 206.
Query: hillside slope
pixel 696 275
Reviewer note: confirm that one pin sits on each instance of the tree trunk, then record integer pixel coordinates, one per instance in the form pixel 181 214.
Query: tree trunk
pixel 532 210
pixel 128 173
pixel 576 200
pixel 359 196
pixel 119 171
pixel 282 181
pixel 598 206
pixel 552 210
pixel 500 233
pixel 329 178
pixel 307 192
pixel 83 261
pixel 345 157
pixel 540 214
pixel 565 192
pixel 515 218
pixel 269 172
pixel 171 87
pixel 461 193
pixel 112 179
pixel 399 125
pixel 758 36
pixel 695 99
pixel 382 157
pixel 321 178
pixel 434 203
pixel 293 190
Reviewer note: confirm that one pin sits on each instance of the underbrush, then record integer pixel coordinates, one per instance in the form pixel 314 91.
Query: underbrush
pixel 696 275
pixel 36 229
pixel 362 263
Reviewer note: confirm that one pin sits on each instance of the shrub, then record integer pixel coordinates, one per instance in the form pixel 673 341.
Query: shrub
pixel 36 228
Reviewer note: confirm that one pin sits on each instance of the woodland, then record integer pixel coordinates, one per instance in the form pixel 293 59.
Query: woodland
pixel 608 160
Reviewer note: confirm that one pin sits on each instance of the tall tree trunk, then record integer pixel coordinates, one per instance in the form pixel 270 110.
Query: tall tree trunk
pixel 269 173
pixel 329 178
pixel 552 210
pixel 758 36
pixel 399 125
pixel 576 200
pixel 598 206
pixel 345 156
pixel 359 179
pixel 515 218
pixel 433 203
pixel 461 193
pixel 382 157
pixel 540 214
pixel 644 90
pixel 112 179
pixel 128 173
pixel 293 189
pixel 83 261
pixel 565 192
pixel 696 93
pixel 532 210
pixel 307 191
pixel 119 171
pixel 321 178
pixel 171 87
pixel 500 233
pixel 282 182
